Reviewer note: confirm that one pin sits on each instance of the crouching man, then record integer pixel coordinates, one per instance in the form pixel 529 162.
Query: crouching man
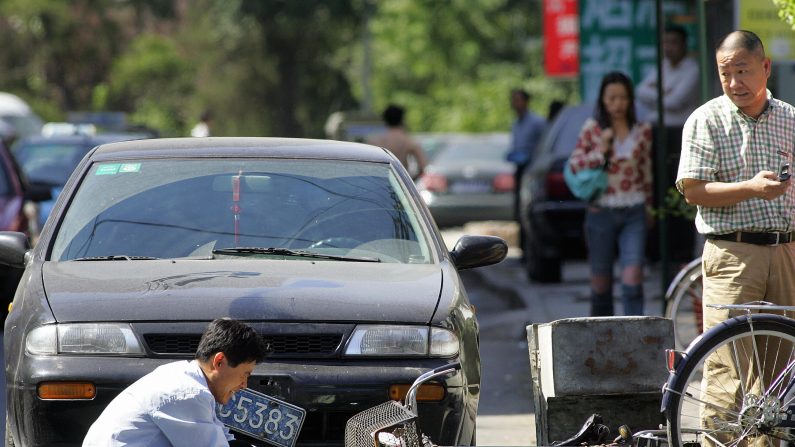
pixel 174 405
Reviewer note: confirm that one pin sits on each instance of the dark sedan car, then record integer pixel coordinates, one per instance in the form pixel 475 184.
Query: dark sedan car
pixel 469 179
pixel 324 247
pixel 551 217
pixel 49 160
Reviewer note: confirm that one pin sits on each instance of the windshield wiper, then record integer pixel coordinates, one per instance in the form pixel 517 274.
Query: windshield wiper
pixel 289 252
pixel 116 258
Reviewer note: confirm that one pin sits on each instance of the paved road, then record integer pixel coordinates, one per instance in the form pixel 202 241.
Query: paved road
pixel 506 303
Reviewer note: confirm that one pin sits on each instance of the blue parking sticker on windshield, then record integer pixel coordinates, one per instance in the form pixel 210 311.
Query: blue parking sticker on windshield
pixel 108 169
pixel 130 167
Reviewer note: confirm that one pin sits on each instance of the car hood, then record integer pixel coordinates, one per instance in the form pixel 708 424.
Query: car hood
pixel 298 290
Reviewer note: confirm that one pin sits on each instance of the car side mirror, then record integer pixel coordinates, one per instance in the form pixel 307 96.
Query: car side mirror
pixel 478 251
pixel 38 192
pixel 13 246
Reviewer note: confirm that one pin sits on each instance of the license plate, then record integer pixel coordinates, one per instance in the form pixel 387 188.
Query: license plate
pixel 470 187
pixel 263 417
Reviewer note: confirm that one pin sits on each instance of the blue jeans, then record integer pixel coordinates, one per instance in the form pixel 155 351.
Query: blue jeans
pixel 604 229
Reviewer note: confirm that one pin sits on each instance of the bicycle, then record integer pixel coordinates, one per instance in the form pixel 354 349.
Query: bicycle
pixel 392 424
pixel 761 347
pixel 683 304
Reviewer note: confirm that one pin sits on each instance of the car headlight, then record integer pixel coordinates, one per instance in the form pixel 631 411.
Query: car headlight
pixel 402 341
pixel 83 338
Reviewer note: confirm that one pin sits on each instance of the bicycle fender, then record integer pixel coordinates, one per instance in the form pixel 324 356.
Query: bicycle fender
pixel 675 376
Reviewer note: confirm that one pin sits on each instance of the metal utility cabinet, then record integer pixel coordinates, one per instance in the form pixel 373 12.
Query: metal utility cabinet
pixel 614 366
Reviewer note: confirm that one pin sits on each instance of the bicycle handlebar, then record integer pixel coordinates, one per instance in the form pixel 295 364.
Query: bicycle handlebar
pixel 411 395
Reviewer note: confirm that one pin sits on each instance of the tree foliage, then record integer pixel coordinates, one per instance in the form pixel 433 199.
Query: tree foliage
pixel 453 63
pixel 276 67
pixel 786 11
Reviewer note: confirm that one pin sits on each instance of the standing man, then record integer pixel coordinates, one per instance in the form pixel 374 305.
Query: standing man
pixel 202 128
pixel 525 136
pixel 174 405
pixel 680 81
pixel 680 86
pixel 398 141
pixel 732 149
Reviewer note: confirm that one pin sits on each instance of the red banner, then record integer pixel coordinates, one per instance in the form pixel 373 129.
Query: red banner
pixel 561 38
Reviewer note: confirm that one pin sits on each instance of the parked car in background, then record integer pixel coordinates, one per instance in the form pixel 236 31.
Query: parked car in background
pixel 15 192
pixel 49 159
pixel 551 217
pixel 324 247
pixel 17 113
pixel 468 179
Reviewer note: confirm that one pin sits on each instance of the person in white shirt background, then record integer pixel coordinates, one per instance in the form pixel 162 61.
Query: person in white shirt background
pixel 174 405
pixel 202 128
pixel 681 96
pixel 680 81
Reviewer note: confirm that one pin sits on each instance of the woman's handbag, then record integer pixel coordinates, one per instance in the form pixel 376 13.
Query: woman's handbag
pixel 586 184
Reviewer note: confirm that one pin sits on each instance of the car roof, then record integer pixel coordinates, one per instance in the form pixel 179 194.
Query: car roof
pixel 565 130
pixel 11 104
pixel 242 147
pixel 92 140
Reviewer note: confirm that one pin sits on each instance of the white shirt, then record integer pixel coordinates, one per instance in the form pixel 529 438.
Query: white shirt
pixel 172 405
pixel 201 129
pixel 680 92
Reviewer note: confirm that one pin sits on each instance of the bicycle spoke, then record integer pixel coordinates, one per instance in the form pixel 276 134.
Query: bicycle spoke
pixel 750 368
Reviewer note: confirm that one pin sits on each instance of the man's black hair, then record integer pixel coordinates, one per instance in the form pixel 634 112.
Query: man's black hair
pixel 678 29
pixel 393 115
pixel 238 341
pixel 744 39
pixel 522 92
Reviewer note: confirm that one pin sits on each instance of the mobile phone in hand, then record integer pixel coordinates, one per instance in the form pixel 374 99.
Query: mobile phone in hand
pixel 783 172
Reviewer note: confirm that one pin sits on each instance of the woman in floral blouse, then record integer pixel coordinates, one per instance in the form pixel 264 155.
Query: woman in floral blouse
pixel 616 139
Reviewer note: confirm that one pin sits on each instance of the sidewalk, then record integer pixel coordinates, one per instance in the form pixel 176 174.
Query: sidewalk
pixel 569 298
pixel 506 415
pixel 548 302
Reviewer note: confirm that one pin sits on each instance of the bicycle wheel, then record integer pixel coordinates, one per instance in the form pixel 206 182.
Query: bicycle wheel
pixel 762 354
pixel 683 306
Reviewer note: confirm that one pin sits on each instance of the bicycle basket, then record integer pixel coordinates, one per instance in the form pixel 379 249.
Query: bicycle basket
pixel 361 429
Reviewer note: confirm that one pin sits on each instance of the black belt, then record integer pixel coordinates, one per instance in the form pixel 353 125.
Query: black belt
pixel 755 238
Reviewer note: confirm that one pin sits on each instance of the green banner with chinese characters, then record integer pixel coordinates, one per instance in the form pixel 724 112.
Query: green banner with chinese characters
pixel 619 35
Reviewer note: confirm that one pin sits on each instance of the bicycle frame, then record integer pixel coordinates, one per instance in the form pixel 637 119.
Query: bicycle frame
pixel 390 423
pixel 787 417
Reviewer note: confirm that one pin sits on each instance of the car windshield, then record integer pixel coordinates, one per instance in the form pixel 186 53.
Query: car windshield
pixel 235 208
pixel 473 148
pixel 49 163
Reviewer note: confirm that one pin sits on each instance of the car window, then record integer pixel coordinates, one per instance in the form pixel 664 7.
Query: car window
pixel 472 149
pixel 568 130
pixel 5 180
pixel 50 163
pixel 179 208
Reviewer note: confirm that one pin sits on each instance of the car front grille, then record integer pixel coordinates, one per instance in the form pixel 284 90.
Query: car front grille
pixel 282 345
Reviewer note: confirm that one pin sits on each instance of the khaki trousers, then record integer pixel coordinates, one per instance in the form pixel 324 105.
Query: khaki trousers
pixel 736 273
